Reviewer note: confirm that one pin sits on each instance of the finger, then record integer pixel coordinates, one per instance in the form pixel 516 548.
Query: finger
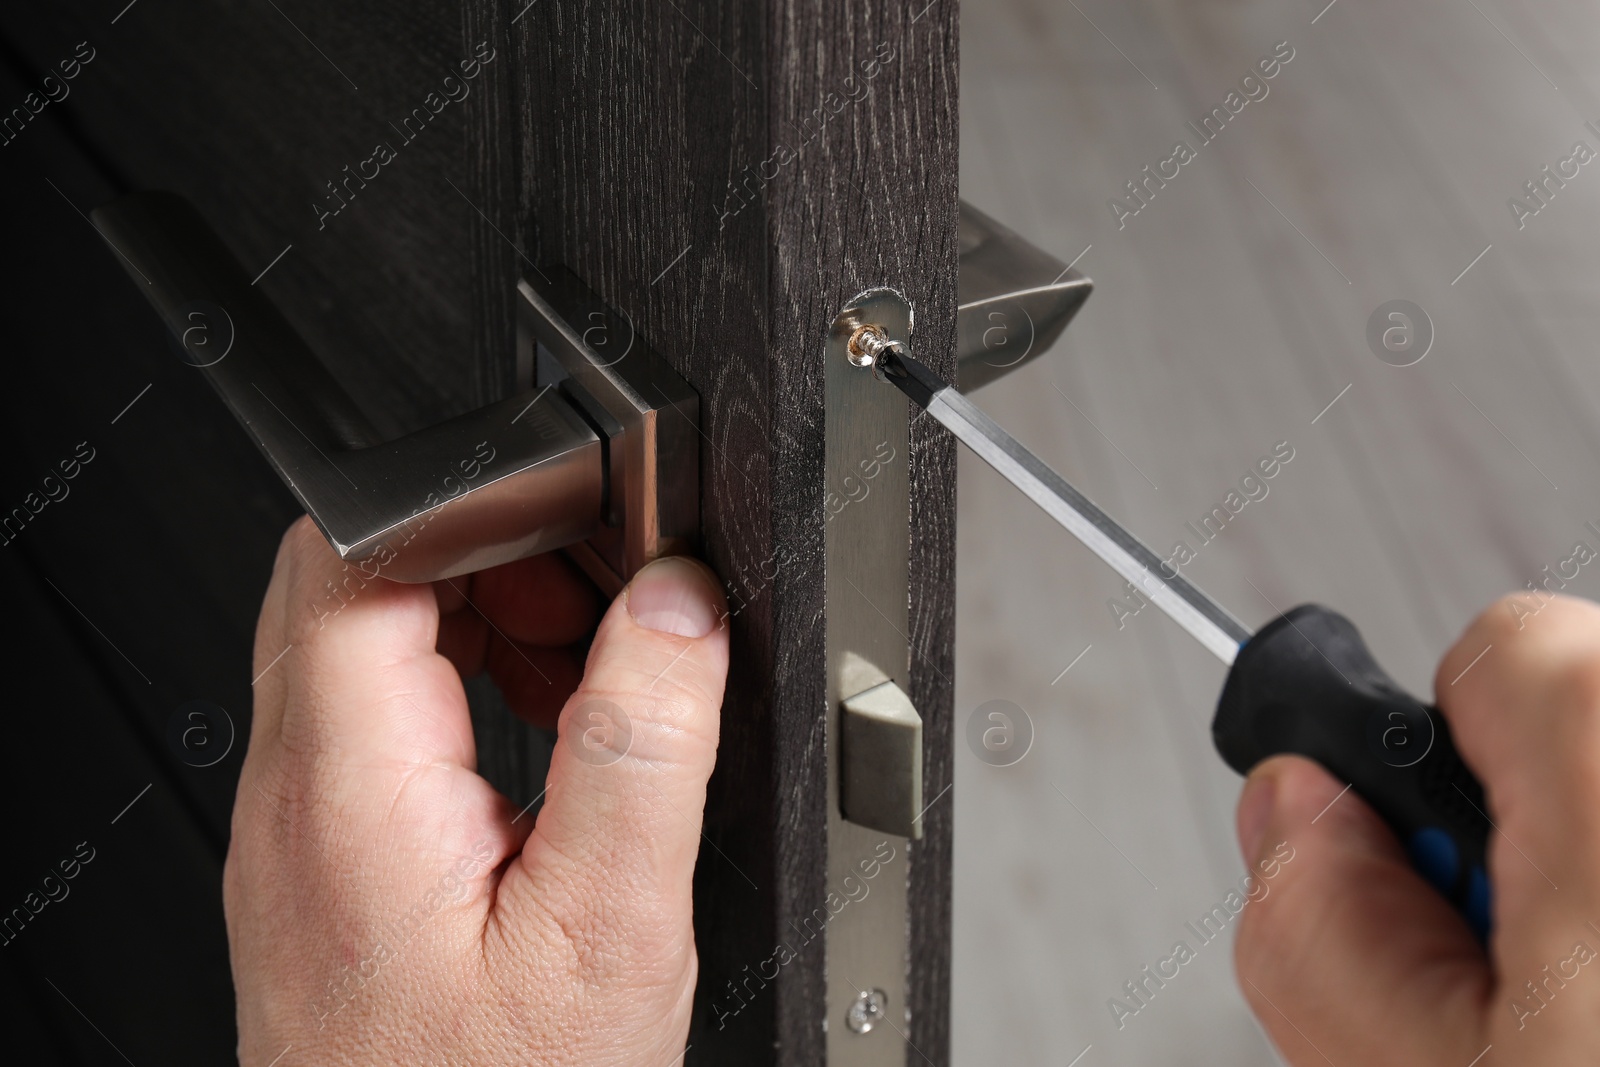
pixel 362 678
pixel 535 682
pixel 540 600
pixel 270 643
pixel 1521 690
pixel 360 767
pixel 537 602
pixel 1349 956
pixel 627 781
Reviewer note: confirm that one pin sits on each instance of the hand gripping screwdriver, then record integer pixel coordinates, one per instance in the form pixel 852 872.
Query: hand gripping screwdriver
pixel 1303 684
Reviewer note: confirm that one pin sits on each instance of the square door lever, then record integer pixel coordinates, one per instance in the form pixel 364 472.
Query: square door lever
pixel 601 458
pixel 1015 300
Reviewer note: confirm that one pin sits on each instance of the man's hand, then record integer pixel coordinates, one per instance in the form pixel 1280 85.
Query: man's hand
pixel 385 904
pixel 1354 960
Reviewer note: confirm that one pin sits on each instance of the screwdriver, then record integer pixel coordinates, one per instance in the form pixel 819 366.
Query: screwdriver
pixel 1304 684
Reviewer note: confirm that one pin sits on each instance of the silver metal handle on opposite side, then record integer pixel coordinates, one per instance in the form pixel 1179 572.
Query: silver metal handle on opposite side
pixel 1015 300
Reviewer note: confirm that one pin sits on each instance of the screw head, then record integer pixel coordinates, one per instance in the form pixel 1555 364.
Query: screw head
pixel 869 1007
pixel 866 342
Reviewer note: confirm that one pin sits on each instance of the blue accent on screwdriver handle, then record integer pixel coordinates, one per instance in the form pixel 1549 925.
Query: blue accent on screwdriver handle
pixel 1305 684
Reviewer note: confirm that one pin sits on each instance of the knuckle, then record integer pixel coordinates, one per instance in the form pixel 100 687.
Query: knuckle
pixel 670 727
pixel 1575 690
pixel 675 689
pixel 1504 615
pixel 1562 658
pixel 1544 642
pixel 1575 626
pixel 679 702
pixel 287 813
pixel 1560 618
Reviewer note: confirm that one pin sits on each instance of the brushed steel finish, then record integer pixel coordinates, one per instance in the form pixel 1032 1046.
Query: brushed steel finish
pixel 867 537
pixel 494 485
pixel 880 782
pixel 1015 300
pixel 1206 620
pixel 649 416
pixel 603 462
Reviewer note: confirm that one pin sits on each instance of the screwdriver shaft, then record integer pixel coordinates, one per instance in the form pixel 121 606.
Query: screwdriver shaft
pixel 1197 613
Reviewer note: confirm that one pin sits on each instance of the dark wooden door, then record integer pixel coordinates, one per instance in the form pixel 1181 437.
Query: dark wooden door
pixel 727 174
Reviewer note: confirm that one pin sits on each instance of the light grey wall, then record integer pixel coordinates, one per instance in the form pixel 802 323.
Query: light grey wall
pixel 1228 314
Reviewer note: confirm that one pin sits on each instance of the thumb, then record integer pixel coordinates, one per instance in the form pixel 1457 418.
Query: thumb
pixel 1349 956
pixel 637 742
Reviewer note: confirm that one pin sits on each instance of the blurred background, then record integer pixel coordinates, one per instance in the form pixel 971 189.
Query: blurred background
pixel 1228 314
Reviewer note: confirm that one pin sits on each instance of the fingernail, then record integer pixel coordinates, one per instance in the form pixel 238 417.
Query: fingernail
pixel 674 596
pixel 1255 808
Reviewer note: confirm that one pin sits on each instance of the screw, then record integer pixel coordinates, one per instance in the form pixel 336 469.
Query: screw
pixel 869 1006
pixel 865 344
pixel 868 344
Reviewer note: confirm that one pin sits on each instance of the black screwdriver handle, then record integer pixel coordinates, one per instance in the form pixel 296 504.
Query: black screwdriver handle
pixel 1306 685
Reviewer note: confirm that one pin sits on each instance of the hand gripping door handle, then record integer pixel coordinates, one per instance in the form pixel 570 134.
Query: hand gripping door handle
pixel 601 460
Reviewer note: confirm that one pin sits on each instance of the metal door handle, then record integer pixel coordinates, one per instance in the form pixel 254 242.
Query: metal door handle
pixel 1015 299
pixel 603 458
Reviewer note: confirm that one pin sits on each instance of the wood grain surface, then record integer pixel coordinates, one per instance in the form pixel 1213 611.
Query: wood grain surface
pixel 691 183
pixel 249 110
pixel 1228 315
